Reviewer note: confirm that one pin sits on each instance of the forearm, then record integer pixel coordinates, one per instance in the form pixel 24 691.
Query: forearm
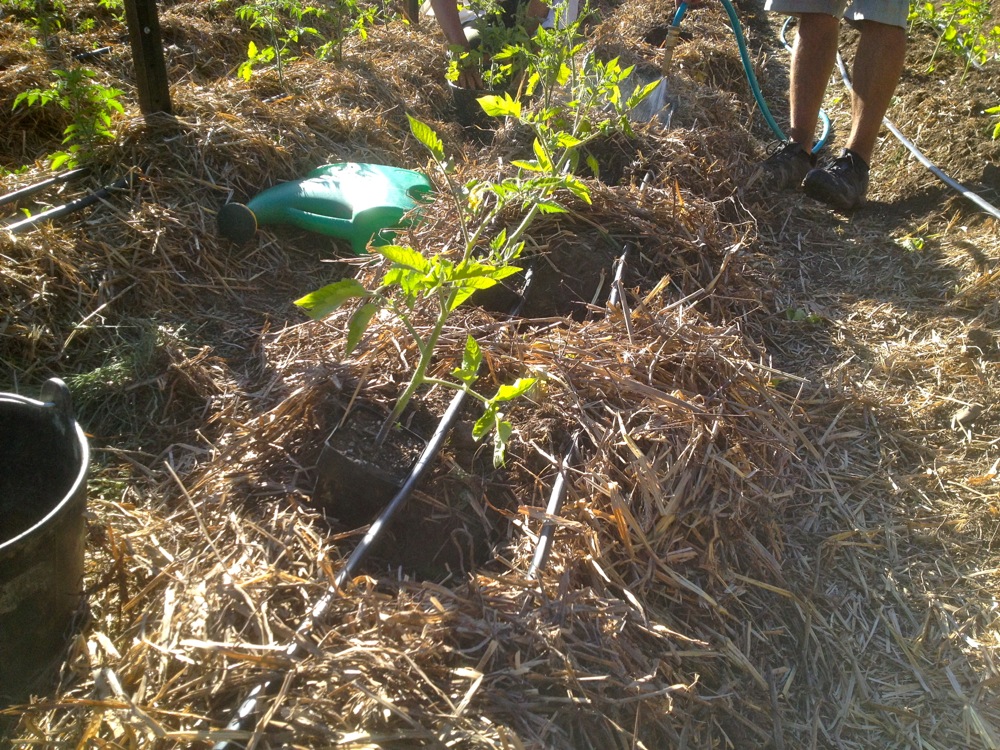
pixel 446 13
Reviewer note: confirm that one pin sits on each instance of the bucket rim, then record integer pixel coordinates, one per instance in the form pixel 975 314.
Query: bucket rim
pixel 74 489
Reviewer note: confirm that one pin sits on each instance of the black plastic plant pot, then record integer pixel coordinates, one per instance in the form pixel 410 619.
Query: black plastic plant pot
pixel 467 109
pixel 43 468
pixel 356 478
pixel 469 112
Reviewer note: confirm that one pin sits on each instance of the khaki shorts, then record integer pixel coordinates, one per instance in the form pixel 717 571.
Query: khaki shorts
pixel 891 12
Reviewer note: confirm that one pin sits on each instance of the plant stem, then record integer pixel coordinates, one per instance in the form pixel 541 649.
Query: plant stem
pixel 457 387
pixel 419 376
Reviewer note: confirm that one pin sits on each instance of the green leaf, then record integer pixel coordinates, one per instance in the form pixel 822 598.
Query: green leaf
pixel 566 140
pixel 518 388
pixel 530 166
pixel 550 207
pixel 500 440
pixel 500 240
pixel 359 324
pixel 485 423
pixel 404 256
pixel 470 285
pixel 473 270
pixel 59 159
pixel 543 158
pixel 464 292
pixel 413 283
pixel 640 94
pixel 472 358
pixel 578 188
pixel 426 135
pixel 497 106
pixel 324 301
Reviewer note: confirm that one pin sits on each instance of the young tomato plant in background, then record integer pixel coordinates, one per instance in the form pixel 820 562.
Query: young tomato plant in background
pixel 961 26
pixel 996 127
pixel 91 106
pixel 269 15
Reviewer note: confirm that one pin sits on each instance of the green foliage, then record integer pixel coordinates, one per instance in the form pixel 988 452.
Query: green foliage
pixel 415 280
pixel 90 105
pixel 996 126
pixel 798 315
pixel 571 105
pixel 913 243
pixel 962 26
pixel 349 18
pixel 284 23
pixel 292 28
pixel 49 16
pixel 500 53
pixel 115 7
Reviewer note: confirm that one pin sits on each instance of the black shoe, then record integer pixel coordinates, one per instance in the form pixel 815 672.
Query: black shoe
pixel 843 184
pixel 787 166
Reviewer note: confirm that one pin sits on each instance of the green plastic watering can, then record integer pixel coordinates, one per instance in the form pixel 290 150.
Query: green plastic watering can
pixel 350 201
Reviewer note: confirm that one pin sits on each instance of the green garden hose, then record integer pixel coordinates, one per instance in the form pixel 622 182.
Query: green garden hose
pixel 752 79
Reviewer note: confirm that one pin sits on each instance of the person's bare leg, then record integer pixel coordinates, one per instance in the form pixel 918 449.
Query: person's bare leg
pixel 878 65
pixel 813 56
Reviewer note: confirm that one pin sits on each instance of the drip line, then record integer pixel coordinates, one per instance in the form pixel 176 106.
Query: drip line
pixel 556 497
pixel 68 208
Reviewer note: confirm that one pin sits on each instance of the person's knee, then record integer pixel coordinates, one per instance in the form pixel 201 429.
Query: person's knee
pixel 882 33
pixel 817 25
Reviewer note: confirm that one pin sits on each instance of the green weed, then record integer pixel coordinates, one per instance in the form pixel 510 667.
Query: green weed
pixel 996 126
pixel 90 105
pixel 962 26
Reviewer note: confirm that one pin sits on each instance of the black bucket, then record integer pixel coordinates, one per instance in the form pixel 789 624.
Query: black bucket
pixel 43 492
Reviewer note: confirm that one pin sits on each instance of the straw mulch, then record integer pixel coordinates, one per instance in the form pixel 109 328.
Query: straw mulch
pixel 779 529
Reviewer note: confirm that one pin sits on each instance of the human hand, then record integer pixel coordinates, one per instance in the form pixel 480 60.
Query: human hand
pixel 470 78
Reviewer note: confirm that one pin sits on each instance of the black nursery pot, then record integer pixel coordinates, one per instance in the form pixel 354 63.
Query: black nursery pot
pixel 43 466
pixel 468 112
pixel 356 478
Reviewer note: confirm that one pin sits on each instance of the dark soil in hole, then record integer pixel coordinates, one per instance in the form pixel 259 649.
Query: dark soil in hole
pixel 356 478
pixel 567 279
pixel 443 527
pixel 564 281
pixel 452 523
pixel 431 539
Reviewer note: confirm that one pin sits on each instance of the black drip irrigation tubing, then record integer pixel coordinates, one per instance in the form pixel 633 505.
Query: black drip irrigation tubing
pixel 559 486
pixel 247 709
pixel 556 497
pixel 71 207
pixel 91 54
pixel 30 190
